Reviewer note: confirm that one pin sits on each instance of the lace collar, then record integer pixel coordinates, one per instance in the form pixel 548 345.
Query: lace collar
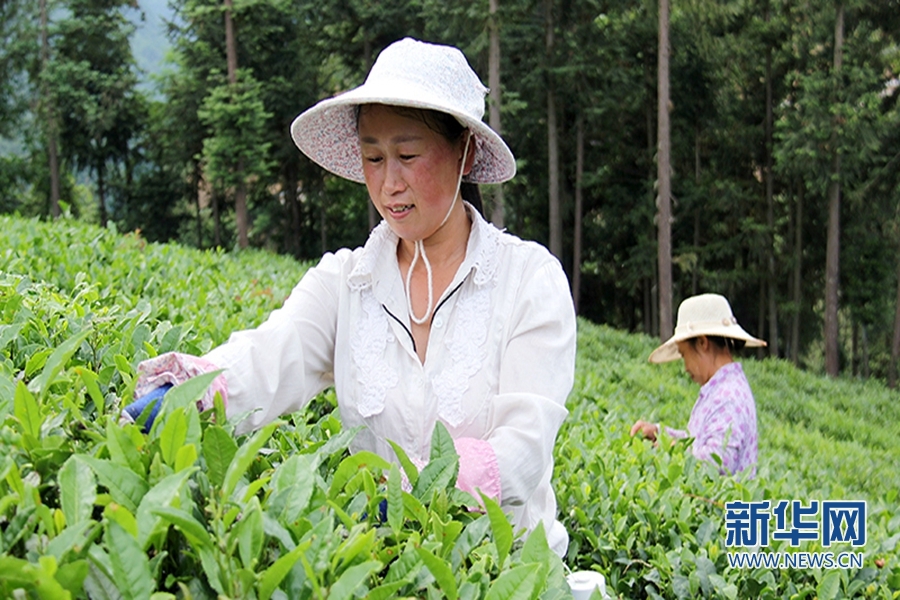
pixel 380 254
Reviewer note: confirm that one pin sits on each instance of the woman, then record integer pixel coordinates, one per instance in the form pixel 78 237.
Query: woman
pixel 723 420
pixel 440 316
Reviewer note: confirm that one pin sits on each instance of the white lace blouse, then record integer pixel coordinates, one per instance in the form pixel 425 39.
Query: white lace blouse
pixel 499 365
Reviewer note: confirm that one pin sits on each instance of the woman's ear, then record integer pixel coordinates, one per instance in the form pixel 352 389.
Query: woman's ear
pixel 702 343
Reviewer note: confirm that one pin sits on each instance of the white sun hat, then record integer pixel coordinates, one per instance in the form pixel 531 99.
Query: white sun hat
pixel 412 74
pixel 706 314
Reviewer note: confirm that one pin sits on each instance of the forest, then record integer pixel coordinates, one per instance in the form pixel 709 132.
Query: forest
pixel 778 183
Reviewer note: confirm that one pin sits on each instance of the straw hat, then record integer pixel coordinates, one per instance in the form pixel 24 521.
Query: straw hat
pixel 706 314
pixel 413 74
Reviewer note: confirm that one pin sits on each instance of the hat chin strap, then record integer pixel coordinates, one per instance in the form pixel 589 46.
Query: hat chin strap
pixel 420 251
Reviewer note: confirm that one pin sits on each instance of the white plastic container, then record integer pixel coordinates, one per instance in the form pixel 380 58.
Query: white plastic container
pixel 584 583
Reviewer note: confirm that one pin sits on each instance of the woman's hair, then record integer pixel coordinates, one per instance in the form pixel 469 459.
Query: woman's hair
pixel 446 125
pixel 721 342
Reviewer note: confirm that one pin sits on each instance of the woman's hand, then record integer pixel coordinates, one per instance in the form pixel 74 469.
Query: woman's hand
pixel 647 430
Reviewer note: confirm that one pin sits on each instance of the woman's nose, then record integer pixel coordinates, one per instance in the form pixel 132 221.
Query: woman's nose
pixel 393 177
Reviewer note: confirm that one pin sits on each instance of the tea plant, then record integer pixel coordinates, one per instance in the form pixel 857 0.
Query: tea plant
pixel 92 509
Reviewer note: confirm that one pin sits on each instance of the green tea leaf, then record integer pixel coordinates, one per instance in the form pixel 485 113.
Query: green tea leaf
pixel 219 449
pixel 27 413
pixel 185 457
pixel 438 474
pixel 162 494
pixel 503 531
pixel 441 571
pixel 244 456
pixel 351 579
pixel 192 529
pixel 272 577
pixel 349 468
pixel 441 442
pixel 124 485
pixel 293 484
pixel 77 491
pixel 394 500
pixel 19 573
pixel 515 584
pixel 131 568
pixel 58 360
pixel 830 585
pixel 412 473
pixel 122 449
pixel 173 435
pixel 250 535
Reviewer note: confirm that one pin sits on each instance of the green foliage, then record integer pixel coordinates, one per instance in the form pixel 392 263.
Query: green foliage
pixel 652 518
pixel 92 509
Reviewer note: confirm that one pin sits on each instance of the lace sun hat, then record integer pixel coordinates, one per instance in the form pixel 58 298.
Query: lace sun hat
pixel 414 74
pixel 706 314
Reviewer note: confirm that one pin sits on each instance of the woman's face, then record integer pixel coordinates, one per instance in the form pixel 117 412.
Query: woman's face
pixel 411 170
pixel 699 360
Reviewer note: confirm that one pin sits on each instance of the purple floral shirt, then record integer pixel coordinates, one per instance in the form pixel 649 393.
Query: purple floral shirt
pixel 723 421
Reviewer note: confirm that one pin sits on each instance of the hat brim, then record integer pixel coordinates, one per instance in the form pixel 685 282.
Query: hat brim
pixel 327 133
pixel 668 350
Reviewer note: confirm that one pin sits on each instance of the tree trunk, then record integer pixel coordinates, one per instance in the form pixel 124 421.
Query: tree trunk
pixel 579 207
pixel 895 342
pixel 196 178
pixel 832 250
pixel 695 272
pixel 663 175
pixel 217 218
pixel 50 115
pixel 770 213
pixel 497 208
pixel 552 144
pixel 242 217
pixel 797 295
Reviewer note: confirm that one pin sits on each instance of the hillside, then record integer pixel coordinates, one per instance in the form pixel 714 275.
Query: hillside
pixel 81 306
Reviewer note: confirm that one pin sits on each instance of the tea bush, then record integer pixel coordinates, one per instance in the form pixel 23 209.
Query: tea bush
pixel 91 509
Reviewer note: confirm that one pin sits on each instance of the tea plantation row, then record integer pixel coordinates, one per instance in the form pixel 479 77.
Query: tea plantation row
pixel 89 509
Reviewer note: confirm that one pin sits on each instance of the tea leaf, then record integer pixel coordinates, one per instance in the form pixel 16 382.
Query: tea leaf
pixel 162 494
pixel 219 449
pixel 412 473
pixel 517 583
pixel 130 566
pixel 192 529
pixel 394 500
pixel 173 435
pixel 271 578
pixel 124 485
pixel 441 571
pixel 77 491
pixel 18 573
pixel 830 585
pixel 122 449
pixel 441 442
pixel 180 396
pixel 244 456
pixel 28 414
pixel 250 535
pixel 351 579
pixel 293 483
pixel 437 475
pixel 503 532
pixel 58 360
pixel 349 468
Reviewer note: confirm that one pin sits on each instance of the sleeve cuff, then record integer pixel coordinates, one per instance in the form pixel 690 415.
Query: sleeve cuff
pixel 478 468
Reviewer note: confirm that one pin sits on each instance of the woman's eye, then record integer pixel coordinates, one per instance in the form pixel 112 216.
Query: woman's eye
pixel 373 159
pixel 407 156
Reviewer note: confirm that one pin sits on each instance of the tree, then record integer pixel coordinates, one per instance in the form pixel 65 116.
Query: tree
pixel 96 85
pixel 663 202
